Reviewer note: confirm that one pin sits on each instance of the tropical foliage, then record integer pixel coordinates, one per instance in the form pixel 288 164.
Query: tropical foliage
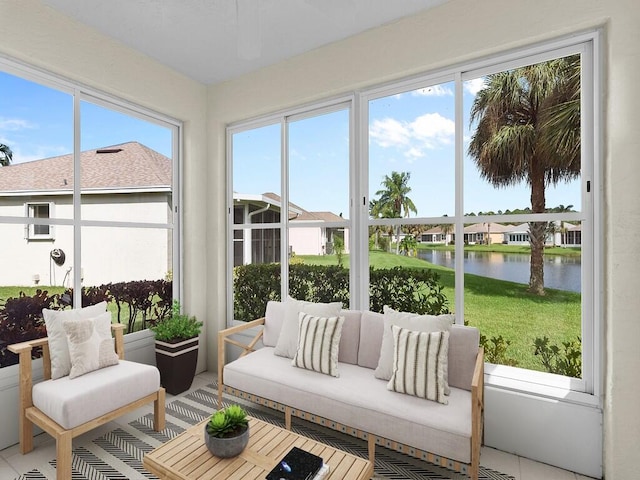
pixel 528 130
pixel 6 155
pixel 393 200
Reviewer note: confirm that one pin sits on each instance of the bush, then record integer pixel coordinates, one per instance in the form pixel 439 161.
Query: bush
pixel 21 320
pixel 412 290
pixel 566 361
pixel 495 350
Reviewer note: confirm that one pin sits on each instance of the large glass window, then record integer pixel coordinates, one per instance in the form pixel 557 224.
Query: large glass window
pixel 307 178
pixel 479 183
pixel 86 203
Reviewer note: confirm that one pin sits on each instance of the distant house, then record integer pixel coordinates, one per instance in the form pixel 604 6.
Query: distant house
pixel 564 234
pixel 477 233
pixel 263 245
pixel 122 183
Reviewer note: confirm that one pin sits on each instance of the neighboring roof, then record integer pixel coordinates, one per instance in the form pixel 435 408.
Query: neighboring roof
pixel 318 216
pixel 482 227
pixel 296 212
pixel 126 166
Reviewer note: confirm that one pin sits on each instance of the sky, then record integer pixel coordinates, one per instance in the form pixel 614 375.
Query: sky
pixel 409 132
pixel 36 122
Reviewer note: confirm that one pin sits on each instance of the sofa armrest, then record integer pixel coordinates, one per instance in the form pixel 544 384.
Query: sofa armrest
pixel 477 413
pixel 224 338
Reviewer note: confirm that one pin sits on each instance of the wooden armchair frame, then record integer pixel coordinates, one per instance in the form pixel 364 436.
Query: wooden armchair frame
pixel 30 415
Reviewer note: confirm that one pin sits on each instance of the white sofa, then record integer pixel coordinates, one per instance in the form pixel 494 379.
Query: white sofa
pixel 358 403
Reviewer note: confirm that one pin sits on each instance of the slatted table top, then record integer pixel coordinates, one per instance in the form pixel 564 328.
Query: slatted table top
pixel 187 457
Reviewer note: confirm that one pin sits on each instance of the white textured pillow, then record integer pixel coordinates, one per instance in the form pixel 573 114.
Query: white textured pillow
pixel 318 344
pixel 90 344
pixel 419 363
pixel 288 339
pixel 58 346
pixel 410 321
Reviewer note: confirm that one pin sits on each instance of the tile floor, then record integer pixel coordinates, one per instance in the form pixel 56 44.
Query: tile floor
pixel 12 463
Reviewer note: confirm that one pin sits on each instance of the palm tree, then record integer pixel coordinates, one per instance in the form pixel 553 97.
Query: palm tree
pixel 529 131
pixel 6 155
pixel 393 200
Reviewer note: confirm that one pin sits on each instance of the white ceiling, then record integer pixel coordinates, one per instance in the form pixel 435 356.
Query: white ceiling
pixel 216 40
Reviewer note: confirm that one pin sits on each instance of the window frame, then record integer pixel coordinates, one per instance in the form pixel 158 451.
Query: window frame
pixel 82 93
pixel 30 228
pixel 588 390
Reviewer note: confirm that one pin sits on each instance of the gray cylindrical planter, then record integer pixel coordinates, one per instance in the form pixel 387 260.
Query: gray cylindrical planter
pixel 226 447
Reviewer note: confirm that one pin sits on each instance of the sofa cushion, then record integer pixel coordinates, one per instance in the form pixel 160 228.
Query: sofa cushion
pixel 273 318
pixel 411 321
pixel 371 328
pixel 419 361
pixel 350 338
pixel 91 345
pixel 287 343
pixel 58 346
pixel 318 342
pixel 72 402
pixel 463 351
pixel 358 400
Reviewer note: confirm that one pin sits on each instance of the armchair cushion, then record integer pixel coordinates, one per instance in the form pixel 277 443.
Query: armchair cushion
pixel 90 344
pixel 58 345
pixel 72 402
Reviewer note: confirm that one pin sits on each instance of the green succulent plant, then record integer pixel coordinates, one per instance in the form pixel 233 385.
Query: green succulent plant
pixel 227 422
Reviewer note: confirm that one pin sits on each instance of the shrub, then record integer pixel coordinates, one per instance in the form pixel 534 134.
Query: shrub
pixel 566 361
pixel 495 350
pixel 414 290
pixel 21 320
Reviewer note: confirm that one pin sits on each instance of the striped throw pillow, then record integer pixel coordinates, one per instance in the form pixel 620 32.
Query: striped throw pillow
pixel 419 361
pixel 318 342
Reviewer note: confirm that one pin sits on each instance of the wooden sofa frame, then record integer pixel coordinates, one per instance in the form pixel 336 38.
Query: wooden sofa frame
pixel 30 415
pixel 477 406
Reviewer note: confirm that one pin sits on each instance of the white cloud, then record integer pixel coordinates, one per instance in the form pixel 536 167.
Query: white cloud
pixel 434 91
pixel 14 124
pixel 390 133
pixel 427 132
pixel 474 86
pixel 433 129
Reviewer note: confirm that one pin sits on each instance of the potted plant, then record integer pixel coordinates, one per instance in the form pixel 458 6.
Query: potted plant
pixel 226 434
pixel 177 349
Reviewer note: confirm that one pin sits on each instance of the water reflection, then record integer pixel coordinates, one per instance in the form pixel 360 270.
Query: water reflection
pixel 560 272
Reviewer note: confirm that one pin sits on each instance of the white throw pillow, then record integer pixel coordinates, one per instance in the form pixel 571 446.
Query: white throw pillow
pixel 318 344
pixel 419 363
pixel 410 321
pixel 58 346
pixel 90 344
pixel 288 339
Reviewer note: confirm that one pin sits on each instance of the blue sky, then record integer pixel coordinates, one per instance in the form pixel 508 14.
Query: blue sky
pixel 411 132
pixel 37 122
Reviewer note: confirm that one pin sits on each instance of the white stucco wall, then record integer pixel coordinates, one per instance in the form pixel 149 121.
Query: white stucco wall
pixel 109 255
pixel 461 30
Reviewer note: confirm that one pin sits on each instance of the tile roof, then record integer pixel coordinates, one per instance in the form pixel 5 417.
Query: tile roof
pixel 123 166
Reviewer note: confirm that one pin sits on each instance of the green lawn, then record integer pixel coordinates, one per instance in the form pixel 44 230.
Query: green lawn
pixel 497 307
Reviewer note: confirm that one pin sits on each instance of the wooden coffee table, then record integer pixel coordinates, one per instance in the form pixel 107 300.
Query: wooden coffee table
pixel 187 457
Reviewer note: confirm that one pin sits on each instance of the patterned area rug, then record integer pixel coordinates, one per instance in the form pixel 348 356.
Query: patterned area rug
pixel 118 454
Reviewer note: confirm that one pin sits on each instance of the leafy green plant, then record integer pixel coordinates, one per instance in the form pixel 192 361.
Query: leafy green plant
pixel 566 361
pixel 495 350
pixel 227 422
pixel 176 327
